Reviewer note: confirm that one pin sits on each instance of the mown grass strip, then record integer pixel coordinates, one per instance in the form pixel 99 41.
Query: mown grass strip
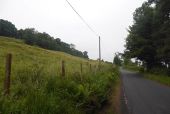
pixel 159 78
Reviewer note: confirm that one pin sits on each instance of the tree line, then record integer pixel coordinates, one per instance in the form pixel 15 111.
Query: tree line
pixel 43 40
pixel 149 36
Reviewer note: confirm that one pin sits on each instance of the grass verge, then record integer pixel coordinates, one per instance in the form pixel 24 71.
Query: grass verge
pixel 159 78
pixel 163 79
pixel 112 106
pixel 132 68
pixel 33 92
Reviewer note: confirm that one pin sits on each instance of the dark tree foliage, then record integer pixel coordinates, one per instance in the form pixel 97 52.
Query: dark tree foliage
pixel 43 40
pixel 149 36
pixel 7 28
pixel 85 54
pixel 117 59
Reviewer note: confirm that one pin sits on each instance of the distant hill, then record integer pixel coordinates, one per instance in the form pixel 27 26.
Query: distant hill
pixel 32 37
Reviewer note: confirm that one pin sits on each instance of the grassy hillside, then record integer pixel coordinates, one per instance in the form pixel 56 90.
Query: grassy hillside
pixel 25 55
pixel 37 87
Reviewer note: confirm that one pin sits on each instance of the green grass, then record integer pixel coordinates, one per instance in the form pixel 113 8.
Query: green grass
pixel 159 78
pixel 38 88
pixel 156 76
pixel 132 68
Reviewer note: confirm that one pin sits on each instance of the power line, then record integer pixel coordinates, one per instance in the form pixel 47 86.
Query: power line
pixel 88 27
pixel 82 18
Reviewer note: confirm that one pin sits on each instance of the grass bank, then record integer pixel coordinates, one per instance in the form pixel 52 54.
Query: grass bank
pixel 163 79
pixel 38 88
pixel 112 106
pixel 159 78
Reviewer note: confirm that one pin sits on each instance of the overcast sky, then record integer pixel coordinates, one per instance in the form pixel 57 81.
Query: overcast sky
pixel 109 18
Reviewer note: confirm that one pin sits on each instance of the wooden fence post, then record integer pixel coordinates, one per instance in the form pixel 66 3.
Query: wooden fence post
pixel 90 68
pixel 7 74
pixel 63 68
pixel 96 69
pixel 81 68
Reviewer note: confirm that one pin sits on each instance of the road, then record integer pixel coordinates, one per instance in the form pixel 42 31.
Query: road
pixel 143 96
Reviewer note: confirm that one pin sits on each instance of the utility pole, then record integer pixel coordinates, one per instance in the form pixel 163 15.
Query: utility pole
pixel 99 50
pixel 99 53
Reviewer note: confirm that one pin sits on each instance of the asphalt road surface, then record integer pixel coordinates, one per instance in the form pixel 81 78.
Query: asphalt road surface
pixel 142 96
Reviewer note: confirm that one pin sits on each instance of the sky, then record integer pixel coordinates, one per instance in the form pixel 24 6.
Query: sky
pixel 108 18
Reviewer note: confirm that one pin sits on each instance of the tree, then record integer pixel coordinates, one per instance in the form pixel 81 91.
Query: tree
pixel 149 36
pixel 117 60
pixel 72 46
pixel 43 40
pixel 7 28
pixel 85 54
pixel 139 41
pixel 28 35
pixel 162 30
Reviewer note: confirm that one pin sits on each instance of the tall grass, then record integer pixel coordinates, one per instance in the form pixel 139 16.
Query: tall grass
pixel 38 88
pixel 36 93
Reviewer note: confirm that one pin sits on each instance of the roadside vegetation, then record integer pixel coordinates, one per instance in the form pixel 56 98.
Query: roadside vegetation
pixel 159 76
pixel 132 66
pixel 156 74
pixel 113 105
pixel 163 79
pixel 148 41
pixel 37 86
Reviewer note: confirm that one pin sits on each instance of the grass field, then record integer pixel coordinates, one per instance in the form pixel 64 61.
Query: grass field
pixel 37 86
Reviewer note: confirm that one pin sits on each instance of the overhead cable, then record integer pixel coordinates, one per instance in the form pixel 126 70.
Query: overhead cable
pixel 82 18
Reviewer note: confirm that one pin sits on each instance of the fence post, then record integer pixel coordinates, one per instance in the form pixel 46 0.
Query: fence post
pixel 90 68
pixel 95 69
pixel 7 74
pixel 63 68
pixel 81 68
